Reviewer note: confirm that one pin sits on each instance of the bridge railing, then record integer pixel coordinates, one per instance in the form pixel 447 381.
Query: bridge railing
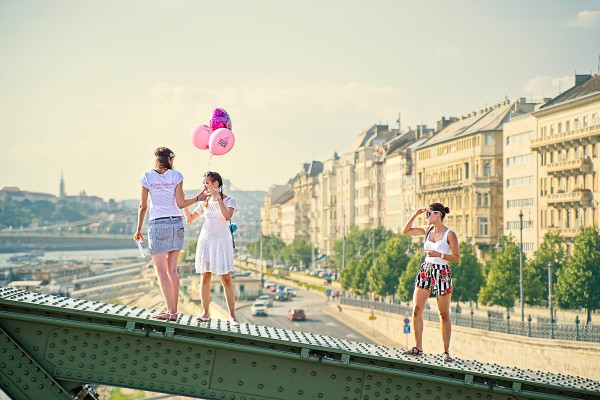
pixel 575 331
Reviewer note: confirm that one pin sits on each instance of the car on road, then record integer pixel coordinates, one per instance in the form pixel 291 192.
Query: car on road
pixel 265 298
pixel 259 308
pixel 290 291
pixel 296 314
pixel 281 296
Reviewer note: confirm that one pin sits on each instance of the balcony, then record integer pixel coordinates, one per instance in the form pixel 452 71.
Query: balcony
pixel 363 183
pixel 573 199
pixel 485 180
pixel 577 137
pixel 572 167
pixel 363 201
pixel 440 186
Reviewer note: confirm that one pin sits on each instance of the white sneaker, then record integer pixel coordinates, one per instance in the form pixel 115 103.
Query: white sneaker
pixel 233 321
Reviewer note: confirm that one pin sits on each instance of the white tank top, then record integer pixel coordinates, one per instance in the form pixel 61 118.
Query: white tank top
pixel 442 246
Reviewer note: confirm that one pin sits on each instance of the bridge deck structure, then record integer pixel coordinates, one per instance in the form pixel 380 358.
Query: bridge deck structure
pixel 58 348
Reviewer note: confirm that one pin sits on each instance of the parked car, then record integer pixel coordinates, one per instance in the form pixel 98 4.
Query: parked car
pixel 259 308
pixel 290 291
pixel 268 283
pixel 281 296
pixel 267 299
pixel 296 314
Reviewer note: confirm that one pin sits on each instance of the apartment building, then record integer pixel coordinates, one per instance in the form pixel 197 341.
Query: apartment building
pixel 399 182
pixel 461 167
pixel 567 142
pixel 520 178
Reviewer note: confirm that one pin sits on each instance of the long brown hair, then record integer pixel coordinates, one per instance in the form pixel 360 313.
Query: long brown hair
pixel 163 154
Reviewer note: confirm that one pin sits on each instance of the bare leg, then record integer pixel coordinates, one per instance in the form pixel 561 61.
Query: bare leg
pixel 160 266
pixel 229 293
pixel 172 258
pixel 444 309
pixel 205 293
pixel 419 298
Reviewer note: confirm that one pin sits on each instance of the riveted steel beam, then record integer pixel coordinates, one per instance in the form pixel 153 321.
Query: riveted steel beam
pixel 83 341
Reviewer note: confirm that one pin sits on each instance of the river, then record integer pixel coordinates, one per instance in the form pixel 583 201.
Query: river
pixel 75 255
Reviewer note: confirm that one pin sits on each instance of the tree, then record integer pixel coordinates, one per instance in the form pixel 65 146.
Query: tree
pixel 347 275
pixel 360 283
pixel 467 275
pixel 578 281
pixel 358 242
pixel 406 283
pixel 502 287
pixel 389 265
pixel 299 251
pixel 535 275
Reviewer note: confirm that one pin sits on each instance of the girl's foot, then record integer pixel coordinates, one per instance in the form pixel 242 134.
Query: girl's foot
pixel 447 357
pixel 414 352
pixel 233 321
pixel 166 316
pixel 204 318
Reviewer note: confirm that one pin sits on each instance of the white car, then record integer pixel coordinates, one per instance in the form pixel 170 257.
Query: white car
pixel 259 308
pixel 265 298
pixel 290 292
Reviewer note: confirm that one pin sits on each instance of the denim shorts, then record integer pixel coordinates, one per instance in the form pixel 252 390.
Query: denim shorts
pixel 165 234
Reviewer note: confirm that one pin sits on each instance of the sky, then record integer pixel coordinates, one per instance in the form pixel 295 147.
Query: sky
pixel 89 89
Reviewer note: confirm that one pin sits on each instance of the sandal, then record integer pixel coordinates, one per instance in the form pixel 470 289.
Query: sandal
pixel 203 318
pixel 414 352
pixel 447 357
pixel 166 316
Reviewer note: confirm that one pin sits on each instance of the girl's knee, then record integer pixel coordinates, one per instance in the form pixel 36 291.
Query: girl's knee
pixel 226 279
pixel 206 277
pixel 445 315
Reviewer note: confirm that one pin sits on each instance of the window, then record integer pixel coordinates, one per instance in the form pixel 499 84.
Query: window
pixel 487 170
pixel 519 203
pixel 479 199
pixel 483 226
pixel 486 200
pixel 552 129
pixel 518 160
pixel 520 137
pixel 559 126
pixel 522 181
pixel 466 170
pixel 568 126
pixel 489 139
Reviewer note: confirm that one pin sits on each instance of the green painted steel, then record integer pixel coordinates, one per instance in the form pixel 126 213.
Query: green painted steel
pixel 73 341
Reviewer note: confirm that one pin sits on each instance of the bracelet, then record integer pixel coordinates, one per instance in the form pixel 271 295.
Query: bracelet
pixel 218 198
pixel 198 198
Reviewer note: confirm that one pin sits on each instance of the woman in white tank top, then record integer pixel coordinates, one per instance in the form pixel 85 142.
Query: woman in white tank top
pixel 434 276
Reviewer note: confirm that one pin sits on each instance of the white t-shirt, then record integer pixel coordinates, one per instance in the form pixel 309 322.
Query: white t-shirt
pixel 162 192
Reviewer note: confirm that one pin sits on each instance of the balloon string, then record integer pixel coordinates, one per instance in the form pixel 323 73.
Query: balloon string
pixel 209 160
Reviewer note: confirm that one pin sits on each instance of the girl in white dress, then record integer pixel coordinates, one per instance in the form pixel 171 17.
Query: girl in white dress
pixel 214 252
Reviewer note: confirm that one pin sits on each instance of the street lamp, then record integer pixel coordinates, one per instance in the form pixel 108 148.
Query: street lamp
pixel 521 269
pixel 550 298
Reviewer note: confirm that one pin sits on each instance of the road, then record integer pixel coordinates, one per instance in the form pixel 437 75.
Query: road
pixel 316 321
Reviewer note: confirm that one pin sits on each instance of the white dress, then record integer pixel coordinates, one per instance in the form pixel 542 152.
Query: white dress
pixel 214 252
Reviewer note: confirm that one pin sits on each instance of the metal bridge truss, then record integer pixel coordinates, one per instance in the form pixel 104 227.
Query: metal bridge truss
pixel 56 348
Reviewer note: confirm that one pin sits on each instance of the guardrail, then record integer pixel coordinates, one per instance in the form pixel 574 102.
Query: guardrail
pixel 575 331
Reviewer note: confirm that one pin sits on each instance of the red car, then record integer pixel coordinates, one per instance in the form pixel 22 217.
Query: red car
pixel 296 314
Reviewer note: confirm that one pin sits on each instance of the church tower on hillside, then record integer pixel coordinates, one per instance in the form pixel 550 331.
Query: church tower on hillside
pixel 62 186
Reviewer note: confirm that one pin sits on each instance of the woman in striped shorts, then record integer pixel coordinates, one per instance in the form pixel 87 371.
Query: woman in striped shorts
pixel 434 276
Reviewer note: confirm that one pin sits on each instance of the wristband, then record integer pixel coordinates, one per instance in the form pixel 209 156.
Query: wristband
pixel 442 256
pixel 218 198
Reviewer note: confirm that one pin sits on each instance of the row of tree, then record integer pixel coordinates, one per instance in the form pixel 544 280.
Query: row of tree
pixel 392 269
pixel 299 252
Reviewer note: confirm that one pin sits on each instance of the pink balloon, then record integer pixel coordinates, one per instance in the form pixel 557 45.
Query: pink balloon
pixel 200 136
pixel 221 141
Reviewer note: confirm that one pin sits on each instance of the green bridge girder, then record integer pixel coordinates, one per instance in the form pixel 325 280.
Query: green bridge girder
pixel 54 347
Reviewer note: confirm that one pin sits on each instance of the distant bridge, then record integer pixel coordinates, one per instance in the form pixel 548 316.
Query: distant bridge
pixel 53 347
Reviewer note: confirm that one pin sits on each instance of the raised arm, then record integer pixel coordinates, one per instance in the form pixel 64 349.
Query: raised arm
pixel 414 231
pixel 182 202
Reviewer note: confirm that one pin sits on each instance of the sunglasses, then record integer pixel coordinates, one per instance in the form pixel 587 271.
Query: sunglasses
pixel 428 213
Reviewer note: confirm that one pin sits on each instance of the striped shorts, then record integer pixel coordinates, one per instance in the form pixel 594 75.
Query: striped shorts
pixel 435 277
pixel 165 235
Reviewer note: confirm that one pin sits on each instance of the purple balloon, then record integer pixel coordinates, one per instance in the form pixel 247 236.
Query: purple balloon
pixel 220 119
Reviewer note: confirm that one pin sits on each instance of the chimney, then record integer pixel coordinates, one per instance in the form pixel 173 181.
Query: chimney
pixel 579 79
